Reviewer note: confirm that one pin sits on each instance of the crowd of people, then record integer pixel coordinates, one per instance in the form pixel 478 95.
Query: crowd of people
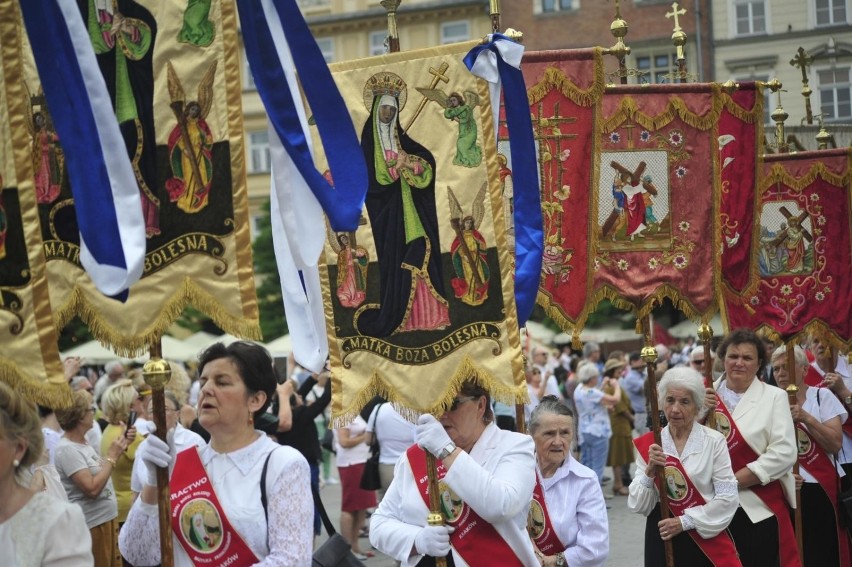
pixel 246 463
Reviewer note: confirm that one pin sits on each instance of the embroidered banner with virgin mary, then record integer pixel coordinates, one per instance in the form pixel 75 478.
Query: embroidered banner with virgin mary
pixel 420 297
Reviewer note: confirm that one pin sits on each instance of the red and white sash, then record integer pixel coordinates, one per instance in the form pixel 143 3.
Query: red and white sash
pixel 814 458
pixel 198 521
pixel 474 538
pixel 539 524
pixel 771 494
pixel 720 549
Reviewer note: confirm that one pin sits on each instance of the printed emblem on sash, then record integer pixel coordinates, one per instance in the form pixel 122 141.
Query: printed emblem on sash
pixel 723 426
pixel 675 483
pixel 804 442
pixel 201 525
pixel 451 505
pixel 535 520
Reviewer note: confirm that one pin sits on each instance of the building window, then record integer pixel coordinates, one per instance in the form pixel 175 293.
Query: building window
pixel 750 16
pixel 830 12
pixel 377 42
pixel 258 147
pixel 556 5
pixel 835 93
pixel 248 78
pixel 656 66
pixel 453 32
pixel 326 46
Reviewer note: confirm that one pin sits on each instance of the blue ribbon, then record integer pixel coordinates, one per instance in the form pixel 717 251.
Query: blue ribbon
pixel 344 201
pixel 529 237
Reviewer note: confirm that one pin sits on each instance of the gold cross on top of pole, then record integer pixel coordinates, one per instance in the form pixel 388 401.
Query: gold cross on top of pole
pixel 674 14
pixel 802 60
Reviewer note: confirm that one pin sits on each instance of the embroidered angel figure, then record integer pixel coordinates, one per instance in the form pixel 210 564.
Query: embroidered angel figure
pixel 352 262
pixel 46 153
pixel 469 250
pixel 459 108
pixel 191 143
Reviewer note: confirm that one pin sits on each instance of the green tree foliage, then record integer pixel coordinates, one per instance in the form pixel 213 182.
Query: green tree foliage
pixel 273 324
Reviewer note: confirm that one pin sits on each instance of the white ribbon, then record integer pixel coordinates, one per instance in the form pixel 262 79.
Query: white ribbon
pixel 485 67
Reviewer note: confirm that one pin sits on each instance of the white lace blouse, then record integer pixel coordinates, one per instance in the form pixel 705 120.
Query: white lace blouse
pixel 46 532
pixel 706 459
pixel 235 476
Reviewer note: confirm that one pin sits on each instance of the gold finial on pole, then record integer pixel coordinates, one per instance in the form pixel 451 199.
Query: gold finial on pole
pixel 823 138
pixel 802 60
pixel 678 39
pixel 390 7
pixel 779 115
pixel 157 373
pixel 705 335
pixel 620 50
pixel 494 11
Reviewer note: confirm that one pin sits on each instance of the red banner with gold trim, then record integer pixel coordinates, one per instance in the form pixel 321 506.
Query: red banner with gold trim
pixel 630 186
pixel 804 249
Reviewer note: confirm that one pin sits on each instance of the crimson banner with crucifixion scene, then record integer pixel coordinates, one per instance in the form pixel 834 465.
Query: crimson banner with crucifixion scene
pixel 803 252
pixel 630 188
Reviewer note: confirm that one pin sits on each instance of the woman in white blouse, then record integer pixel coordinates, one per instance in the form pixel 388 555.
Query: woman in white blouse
pixel 699 480
pixel 36 529
pixel 231 520
pixel 572 497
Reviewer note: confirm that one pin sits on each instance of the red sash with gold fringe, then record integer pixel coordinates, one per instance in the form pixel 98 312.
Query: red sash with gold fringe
pixel 474 538
pixel 719 549
pixel 198 521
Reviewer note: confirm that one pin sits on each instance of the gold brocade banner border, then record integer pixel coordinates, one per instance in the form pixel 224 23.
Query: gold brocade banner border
pixel 43 381
pixel 555 79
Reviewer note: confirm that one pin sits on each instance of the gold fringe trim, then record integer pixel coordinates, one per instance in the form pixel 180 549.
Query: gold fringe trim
pixel 47 394
pixel 555 79
pixel 130 346
pixel 676 108
pixel 779 174
pixel 641 310
pixel 467 370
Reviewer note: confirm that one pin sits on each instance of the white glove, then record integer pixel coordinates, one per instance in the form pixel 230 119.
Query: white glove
pixel 431 435
pixel 433 541
pixel 157 453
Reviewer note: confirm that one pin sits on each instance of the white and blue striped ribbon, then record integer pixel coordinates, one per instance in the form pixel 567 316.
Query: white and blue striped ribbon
pixel 104 187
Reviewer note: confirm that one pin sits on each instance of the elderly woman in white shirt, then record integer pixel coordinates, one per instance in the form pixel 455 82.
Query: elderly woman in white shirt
pixel 700 482
pixel 487 477
pixel 218 490
pixel 568 521
pixel 819 418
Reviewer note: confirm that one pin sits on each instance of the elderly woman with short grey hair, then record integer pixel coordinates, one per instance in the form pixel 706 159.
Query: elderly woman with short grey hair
pixel 699 480
pixel 567 521
pixel 592 406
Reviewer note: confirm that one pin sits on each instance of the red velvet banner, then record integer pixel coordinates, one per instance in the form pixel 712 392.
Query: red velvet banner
pixel 804 250
pixel 630 186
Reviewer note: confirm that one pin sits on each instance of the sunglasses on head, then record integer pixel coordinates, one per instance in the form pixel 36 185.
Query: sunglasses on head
pixel 698 361
pixel 458 401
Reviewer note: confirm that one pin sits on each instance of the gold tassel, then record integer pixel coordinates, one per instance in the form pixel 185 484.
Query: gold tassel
pixel 47 394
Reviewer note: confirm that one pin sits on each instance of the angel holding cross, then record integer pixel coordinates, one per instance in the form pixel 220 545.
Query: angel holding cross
pixel 469 250
pixel 459 109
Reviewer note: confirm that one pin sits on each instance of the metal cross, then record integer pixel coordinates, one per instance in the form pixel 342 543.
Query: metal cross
pixel 674 14
pixel 802 60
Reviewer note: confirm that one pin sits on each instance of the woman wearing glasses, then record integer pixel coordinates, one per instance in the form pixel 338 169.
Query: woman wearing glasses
pixel 86 476
pixel 487 476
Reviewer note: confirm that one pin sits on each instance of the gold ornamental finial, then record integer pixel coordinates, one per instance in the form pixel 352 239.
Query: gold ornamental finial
pixel 802 60
pixel 494 12
pixel 779 116
pixel 157 372
pixel 390 7
pixel 619 28
pixel 823 137
pixel 678 37
pixel 705 332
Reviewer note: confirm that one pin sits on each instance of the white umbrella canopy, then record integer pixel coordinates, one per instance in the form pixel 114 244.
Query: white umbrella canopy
pixel 93 352
pixel 539 333
pixel 600 335
pixel 200 340
pixel 282 346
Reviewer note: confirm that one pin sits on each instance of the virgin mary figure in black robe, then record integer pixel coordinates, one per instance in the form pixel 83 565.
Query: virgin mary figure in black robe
pixel 401 205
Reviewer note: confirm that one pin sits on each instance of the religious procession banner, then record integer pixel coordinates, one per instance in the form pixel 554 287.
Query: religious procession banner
pixel 420 297
pixel 804 249
pixel 172 73
pixel 740 162
pixel 629 189
pixel 29 355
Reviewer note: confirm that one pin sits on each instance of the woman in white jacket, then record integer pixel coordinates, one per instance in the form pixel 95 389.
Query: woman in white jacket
pixel 486 477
